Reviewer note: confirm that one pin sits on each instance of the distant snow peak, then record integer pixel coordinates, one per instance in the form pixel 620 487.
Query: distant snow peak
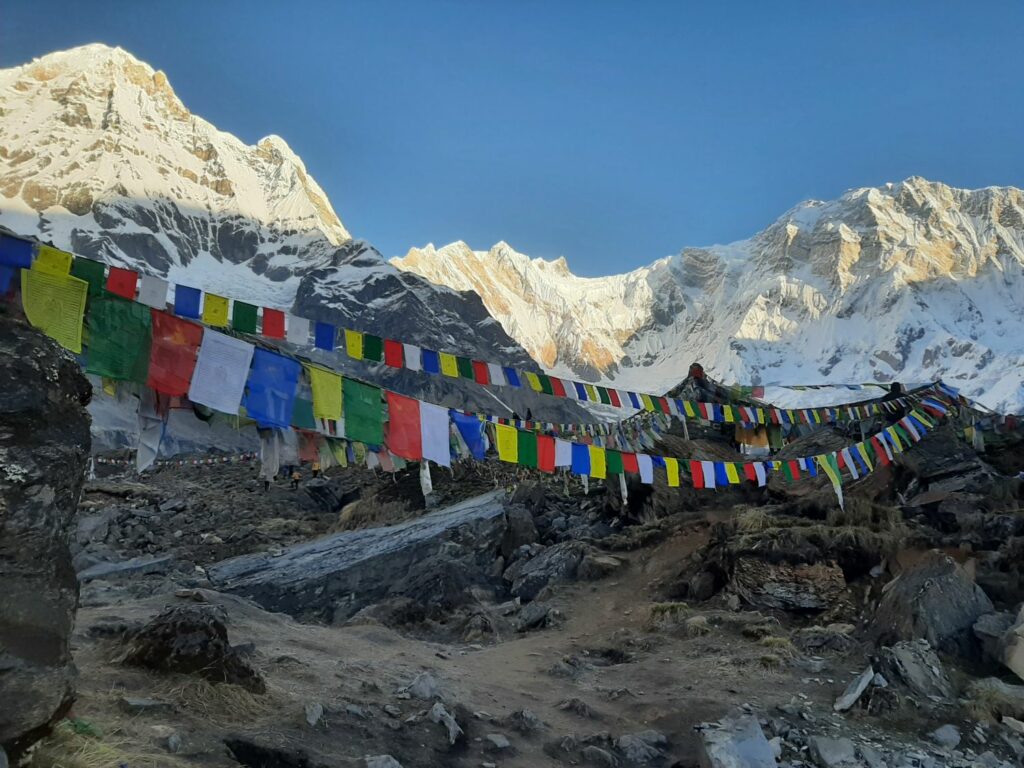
pixel 912 281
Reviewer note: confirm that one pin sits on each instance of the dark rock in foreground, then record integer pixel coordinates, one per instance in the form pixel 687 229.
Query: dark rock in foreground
pixel 334 577
pixel 44 444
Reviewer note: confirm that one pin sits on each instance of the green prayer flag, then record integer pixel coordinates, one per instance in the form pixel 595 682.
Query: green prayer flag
pixel 527 446
pixel 787 471
pixel 119 339
pixel 90 271
pixel 545 384
pixel 243 317
pixel 373 349
pixel 614 462
pixel 465 366
pixel 302 414
pixel 364 412
pixel 603 394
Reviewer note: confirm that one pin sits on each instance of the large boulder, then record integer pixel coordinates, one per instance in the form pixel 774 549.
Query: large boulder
pixel 735 742
pixel 936 600
pixel 554 564
pixel 802 588
pixel 44 446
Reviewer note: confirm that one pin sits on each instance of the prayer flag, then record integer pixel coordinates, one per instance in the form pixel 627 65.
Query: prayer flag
pixel 496 375
pixel 533 381
pixel 721 478
pixel 373 348
pixel 614 397
pixel 645 466
pixel 327 393
pixel 602 394
pixel 472 431
pixel 17 253
pixel 55 304
pixel 449 366
pixel 298 330
pixel 546 453
pixel 465 366
pixel 880 451
pixel 153 292
pixel 354 345
pixel 630 462
pixel 707 469
pixel 731 473
pixel 563 453
pixel 581 391
pixel 273 323
pixel 481 375
pixel 393 353
pixel 431 361
pixel 580 459
pixel 93 272
pixel 215 310
pixel 634 400
pixel 270 391
pixel 186 301
pixel 508 443
pixel 597 462
pixel 830 467
pixel 119 339
pixel 52 261
pixel 527 449
pixel 244 316
pixel 697 473
pixel 435 434
pixel 364 414
pixel 545 384
pixel 672 471
pixel 511 376
pixel 172 356
pixel 121 282
pixel 221 372
pixel 302 414
pixel 323 336
pixel 411 355
pixel 591 393
pixel 614 462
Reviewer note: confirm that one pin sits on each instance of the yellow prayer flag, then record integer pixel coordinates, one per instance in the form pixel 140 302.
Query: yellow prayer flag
pixel 51 261
pixel 215 310
pixel 732 473
pixel 449 365
pixel 817 416
pixel 534 381
pixel 597 462
pixel 55 304
pixel 688 408
pixel 648 403
pixel 897 444
pixel 730 418
pixel 326 387
pixel 354 344
pixel 672 470
pixel 591 393
pixel 508 443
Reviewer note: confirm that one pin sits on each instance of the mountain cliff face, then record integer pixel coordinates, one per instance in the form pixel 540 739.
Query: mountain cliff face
pixel 100 157
pixel 910 281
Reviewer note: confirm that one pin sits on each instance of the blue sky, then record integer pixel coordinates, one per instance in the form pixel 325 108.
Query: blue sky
pixel 610 133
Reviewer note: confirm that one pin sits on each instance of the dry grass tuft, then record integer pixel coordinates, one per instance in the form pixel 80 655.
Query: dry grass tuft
pixel 990 700
pixel 771 661
pixel 781 646
pixel 696 626
pixel 753 521
pixel 367 513
pixel 71 747
pixel 219 703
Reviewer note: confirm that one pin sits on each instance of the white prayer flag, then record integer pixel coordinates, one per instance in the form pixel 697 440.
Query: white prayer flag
pixel 153 292
pixel 221 371
pixel 563 453
pixel 646 468
pixel 434 434
pixel 298 330
pixel 708 469
pixel 412 357
pixel 850 464
pixel 761 475
pixel 497 375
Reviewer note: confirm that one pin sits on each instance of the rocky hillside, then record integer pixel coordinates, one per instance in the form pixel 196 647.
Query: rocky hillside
pixel 910 281
pixel 99 156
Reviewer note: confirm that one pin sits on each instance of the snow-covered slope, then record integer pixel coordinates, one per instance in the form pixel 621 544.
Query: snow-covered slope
pixel 910 281
pixel 100 157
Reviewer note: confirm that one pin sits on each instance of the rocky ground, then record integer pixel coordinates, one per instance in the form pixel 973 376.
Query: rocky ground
pixel 520 622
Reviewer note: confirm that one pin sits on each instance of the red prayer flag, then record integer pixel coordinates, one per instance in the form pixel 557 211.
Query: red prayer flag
pixel 403 429
pixel 794 467
pixel 629 462
pixel 393 353
pixel 880 451
pixel 749 473
pixel 121 282
pixel 557 387
pixel 273 323
pixel 172 353
pixel 614 396
pixel 842 461
pixel 663 403
pixel 480 373
pixel 703 408
pixel 546 453
pixel 697 473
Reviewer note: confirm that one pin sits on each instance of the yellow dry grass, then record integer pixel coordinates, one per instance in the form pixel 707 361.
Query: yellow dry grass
pixel 69 747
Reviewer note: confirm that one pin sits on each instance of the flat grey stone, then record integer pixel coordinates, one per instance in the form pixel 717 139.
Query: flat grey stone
pixel 135 566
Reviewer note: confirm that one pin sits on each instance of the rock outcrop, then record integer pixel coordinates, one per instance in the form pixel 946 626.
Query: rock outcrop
pixel 44 445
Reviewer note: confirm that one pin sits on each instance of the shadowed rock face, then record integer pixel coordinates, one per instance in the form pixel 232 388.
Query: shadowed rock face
pixel 44 444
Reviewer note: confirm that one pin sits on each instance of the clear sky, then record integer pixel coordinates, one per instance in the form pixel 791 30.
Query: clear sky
pixel 610 133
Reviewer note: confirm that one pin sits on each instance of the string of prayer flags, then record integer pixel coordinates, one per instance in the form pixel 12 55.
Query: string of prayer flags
pixel 52 261
pixel 119 339
pixel 327 393
pixel 435 434
pixel 55 304
pixel 273 323
pixel 153 292
pixel 121 282
pixel 187 301
pixel 270 391
pixel 404 430
pixel 215 311
pixel 244 317
pixel 323 336
pixel 172 357
pixel 364 415
pixel 298 330
pixel 222 368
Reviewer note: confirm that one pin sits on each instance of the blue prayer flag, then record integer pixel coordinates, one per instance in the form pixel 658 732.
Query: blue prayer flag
pixel 580 459
pixel 658 461
pixel 581 391
pixel 720 477
pixel 186 301
pixel 270 391
pixel 634 400
pixel 472 431
pixel 431 361
pixel 324 336
pixel 512 376
pixel 15 252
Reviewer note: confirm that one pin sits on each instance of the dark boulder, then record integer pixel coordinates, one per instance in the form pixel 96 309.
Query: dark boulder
pixel 44 446
pixel 192 639
pixel 554 564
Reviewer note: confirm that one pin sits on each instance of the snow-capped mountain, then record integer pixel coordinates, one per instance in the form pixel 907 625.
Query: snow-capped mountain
pixel 100 157
pixel 911 281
